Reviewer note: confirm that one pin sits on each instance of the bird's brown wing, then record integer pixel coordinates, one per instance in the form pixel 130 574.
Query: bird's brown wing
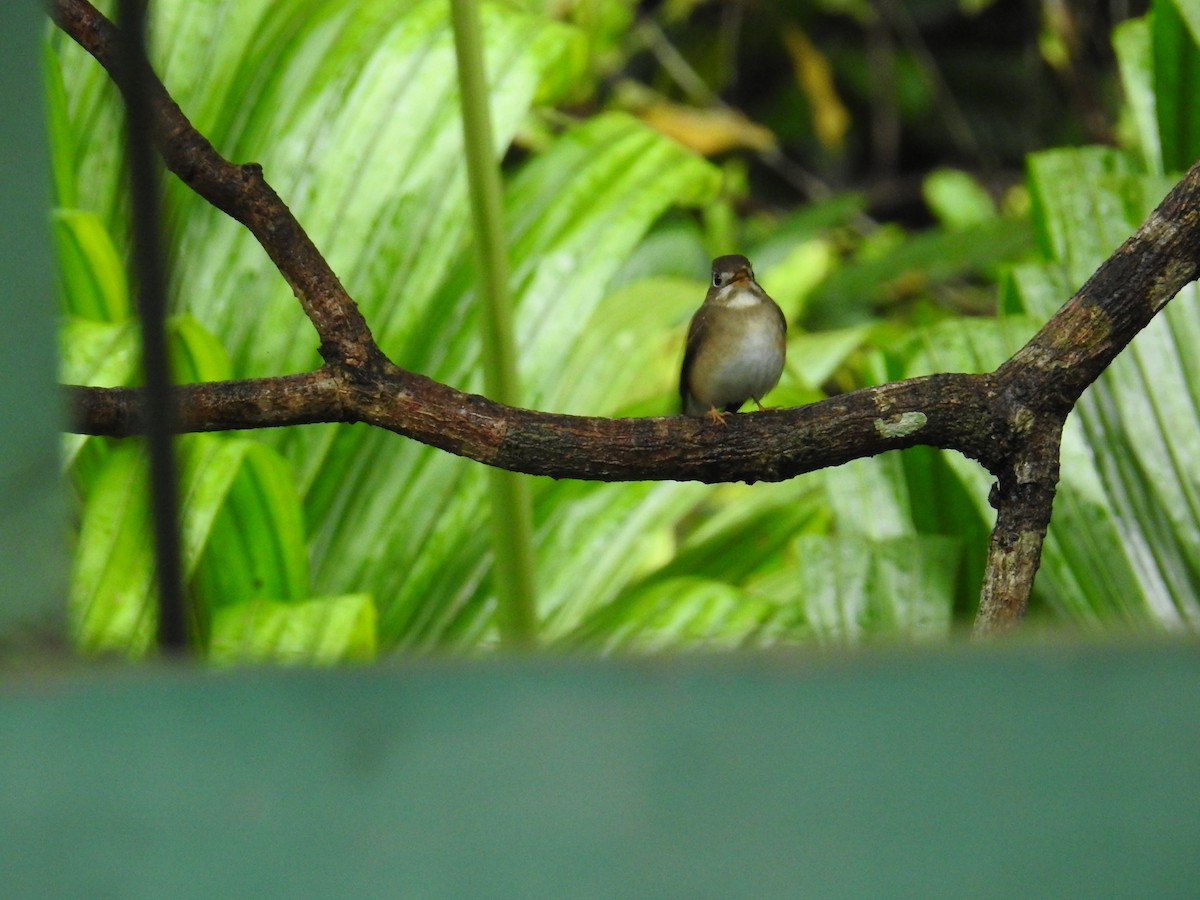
pixel 695 330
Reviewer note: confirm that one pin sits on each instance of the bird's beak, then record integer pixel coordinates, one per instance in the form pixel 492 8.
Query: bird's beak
pixel 741 275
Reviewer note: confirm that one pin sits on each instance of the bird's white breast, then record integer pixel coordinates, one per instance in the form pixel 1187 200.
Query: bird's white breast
pixel 737 296
pixel 750 368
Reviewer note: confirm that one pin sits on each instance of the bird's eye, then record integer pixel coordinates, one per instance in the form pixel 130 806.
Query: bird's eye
pixel 716 279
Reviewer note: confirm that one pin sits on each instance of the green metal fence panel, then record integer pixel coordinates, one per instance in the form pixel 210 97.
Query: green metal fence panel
pixel 32 527
pixel 1018 772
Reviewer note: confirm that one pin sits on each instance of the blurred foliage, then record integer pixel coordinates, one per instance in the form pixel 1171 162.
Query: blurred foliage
pixel 872 158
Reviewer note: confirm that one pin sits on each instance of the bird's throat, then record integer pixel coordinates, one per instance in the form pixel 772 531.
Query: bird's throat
pixel 739 296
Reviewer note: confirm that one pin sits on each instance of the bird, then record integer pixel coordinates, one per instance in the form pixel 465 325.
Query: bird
pixel 735 344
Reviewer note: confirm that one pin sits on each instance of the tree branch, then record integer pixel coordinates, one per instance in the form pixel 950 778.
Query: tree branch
pixel 239 191
pixel 1022 497
pixel 1010 420
pixel 939 410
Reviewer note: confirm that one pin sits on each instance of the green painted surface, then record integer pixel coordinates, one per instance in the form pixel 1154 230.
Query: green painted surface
pixel 32 526
pixel 1008 772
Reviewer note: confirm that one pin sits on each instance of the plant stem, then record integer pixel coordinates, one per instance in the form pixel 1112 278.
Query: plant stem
pixel 512 509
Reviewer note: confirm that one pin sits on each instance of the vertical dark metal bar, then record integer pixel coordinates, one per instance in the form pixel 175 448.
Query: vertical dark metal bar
pixel 150 273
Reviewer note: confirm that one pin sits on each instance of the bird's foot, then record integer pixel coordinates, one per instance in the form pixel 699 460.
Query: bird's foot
pixel 716 416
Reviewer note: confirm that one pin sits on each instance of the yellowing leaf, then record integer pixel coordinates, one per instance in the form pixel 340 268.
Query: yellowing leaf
pixel 814 75
pixel 707 131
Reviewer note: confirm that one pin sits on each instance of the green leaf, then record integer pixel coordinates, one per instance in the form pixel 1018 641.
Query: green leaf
pixel 771 239
pixel 321 631
pixel 1127 549
pixel 92 274
pixel 947 493
pixel 1131 41
pixel 86 135
pixel 1086 574
pixel 813 357
pixel 957 199
pixel 793 277
pixel 196 355
pixel 62 159
pixel 969 345
pixel 909 586
pixel 111 582
pixel 379 90
pixel 633 345
pixel 733 581
pixel 844 589
pixel 99 354
pixel 741 531
pixel 1080 210
pixel 896 267
pixel 1175 31
pixel 686 613
pixel 673 248
pixel 242 537
pixel 244 525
